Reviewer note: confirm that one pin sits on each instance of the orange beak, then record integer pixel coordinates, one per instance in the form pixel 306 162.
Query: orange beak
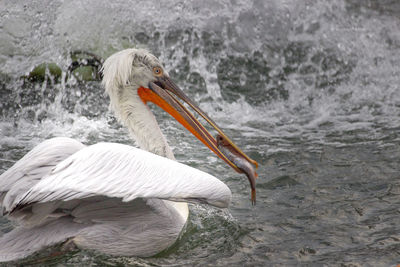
pixel 164 93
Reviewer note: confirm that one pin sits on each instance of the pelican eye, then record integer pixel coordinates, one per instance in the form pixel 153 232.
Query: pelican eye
pixel 157 71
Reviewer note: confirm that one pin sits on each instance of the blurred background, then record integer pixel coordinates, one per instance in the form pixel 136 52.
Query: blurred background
pixel 308 88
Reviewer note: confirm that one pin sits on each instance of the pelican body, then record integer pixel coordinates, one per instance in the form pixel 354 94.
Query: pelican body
pixel 108 197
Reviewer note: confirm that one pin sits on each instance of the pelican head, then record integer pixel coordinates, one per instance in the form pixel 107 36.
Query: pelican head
pixel 134 77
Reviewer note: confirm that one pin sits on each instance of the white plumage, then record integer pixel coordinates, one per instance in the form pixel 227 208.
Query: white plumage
pixel 125 172
pixel 109 197
pixel 124 72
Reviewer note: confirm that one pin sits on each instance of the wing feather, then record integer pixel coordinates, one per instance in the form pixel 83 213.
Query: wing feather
pixel 121 171
pixel 35 165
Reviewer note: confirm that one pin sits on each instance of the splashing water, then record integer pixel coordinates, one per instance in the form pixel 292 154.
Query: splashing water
pixel 309 89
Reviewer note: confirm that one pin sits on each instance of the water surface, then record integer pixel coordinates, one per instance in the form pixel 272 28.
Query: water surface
pixel 309 89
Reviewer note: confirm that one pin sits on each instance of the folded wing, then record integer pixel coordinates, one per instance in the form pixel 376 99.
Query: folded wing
pixel 35 165
pixel 121 171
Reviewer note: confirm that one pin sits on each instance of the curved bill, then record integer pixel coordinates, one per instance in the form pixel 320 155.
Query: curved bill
pixel 165 94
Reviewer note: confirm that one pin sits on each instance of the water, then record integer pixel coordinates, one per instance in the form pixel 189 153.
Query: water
pixel 309 89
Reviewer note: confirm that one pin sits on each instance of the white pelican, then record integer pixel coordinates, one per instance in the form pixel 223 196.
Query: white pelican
pixel 114 198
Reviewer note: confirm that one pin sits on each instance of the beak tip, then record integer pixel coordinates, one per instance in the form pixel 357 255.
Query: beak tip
pixel 256 164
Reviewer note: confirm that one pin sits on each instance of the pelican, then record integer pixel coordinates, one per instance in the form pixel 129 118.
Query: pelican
pixel 113 198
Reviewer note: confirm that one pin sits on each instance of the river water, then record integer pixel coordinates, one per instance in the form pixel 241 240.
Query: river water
pixel 308 88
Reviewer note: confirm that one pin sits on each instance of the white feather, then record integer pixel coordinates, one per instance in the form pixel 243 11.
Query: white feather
pixel 121 171
pixel 34 166
pixel 123 73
